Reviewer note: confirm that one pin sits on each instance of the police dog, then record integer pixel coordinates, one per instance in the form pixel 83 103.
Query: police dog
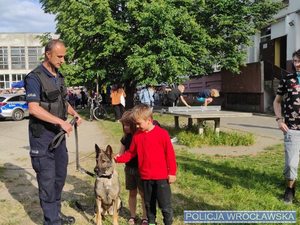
pixel 107 185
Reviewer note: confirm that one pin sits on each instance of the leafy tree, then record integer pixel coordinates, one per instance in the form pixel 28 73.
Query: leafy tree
pixel 138 41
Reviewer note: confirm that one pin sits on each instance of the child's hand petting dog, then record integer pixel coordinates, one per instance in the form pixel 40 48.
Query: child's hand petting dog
pixel 172 179
pixel 116 156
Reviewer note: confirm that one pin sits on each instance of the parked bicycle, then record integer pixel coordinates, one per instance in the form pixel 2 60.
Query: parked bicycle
pixel 97 110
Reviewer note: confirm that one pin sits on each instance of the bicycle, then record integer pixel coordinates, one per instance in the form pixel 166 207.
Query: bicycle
pixel 97 110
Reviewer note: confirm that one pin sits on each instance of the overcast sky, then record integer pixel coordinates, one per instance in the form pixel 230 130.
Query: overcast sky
pixel 24 16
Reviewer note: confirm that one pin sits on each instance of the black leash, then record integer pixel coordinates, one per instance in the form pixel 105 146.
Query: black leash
pixel 58 139
pixel 60 136
pixel 78 167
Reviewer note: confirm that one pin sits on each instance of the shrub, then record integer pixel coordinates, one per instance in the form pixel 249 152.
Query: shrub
pixel 191 139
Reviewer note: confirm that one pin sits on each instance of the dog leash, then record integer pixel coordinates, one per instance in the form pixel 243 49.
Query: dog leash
pixel 78 167
pixel 58 139
pixel 60 136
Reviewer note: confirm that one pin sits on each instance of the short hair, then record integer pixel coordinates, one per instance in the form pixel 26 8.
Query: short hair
pixel 127 119
pixel 142 111
pixel 52 43
pixel 296 53
pixel 214 93
pixel 181 88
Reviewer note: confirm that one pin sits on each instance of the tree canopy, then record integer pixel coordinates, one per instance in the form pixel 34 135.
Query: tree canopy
pixel 138 41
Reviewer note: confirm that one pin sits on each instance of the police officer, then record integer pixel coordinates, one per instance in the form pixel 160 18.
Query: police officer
pixel 46 96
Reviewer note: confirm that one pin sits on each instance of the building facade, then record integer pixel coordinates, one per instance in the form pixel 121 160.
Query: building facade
pixel 277 42
pixel 19 54
pixel 269 58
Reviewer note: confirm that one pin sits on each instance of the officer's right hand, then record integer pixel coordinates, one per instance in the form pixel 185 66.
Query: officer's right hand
pixel 67 127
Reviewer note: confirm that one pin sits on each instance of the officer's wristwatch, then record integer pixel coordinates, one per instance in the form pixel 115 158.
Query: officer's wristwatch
pixel 278 118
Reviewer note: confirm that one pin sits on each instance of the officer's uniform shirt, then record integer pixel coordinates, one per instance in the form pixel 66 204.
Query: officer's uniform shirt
pixel 33 85
pixel 39 144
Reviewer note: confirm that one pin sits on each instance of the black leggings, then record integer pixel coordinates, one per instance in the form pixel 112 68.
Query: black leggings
pixel 160 191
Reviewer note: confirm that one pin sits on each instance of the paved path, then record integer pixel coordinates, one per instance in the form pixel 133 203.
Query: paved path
pixel 14 144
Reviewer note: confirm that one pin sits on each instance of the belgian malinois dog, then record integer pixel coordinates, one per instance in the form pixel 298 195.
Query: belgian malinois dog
pixel 107 185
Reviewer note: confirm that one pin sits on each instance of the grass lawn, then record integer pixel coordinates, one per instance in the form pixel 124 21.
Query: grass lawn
pixel 221 183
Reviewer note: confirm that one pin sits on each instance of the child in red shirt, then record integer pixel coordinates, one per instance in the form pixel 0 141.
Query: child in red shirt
pixel 132 176
pixel 156 163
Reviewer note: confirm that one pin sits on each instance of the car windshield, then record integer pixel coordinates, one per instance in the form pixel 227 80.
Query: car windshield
pixel 2 99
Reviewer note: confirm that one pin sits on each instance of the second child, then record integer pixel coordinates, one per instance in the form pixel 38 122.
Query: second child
pixel 156 163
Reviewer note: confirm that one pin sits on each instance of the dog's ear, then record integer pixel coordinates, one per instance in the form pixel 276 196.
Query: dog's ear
pixel 97 150
pixel 109 151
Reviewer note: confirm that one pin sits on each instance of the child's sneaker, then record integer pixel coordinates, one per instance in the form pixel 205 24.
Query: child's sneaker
pixel 132 221
pixel 144 222
pixel 174 140
pixel 288 196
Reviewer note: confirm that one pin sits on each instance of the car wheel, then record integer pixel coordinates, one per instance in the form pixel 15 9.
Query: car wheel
pixel 17 115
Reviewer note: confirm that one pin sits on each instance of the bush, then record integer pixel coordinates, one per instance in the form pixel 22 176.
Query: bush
pixel 191 139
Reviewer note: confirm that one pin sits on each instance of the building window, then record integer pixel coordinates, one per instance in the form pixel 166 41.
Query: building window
pixel 286 2
pixel 3 58
pixel 265 34
pixel 4 81
pixel 18 57
pixel 34 56
pixel 17 77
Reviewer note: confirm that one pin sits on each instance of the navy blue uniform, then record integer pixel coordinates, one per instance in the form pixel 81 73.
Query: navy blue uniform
pixel 50 166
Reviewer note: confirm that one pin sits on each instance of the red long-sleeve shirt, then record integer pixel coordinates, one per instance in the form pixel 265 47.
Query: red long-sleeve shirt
pixel 156 156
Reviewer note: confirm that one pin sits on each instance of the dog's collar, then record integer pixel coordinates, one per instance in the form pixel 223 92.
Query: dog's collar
pixel 105 176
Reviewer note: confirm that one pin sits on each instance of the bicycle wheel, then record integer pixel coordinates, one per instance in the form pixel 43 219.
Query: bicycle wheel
pixel 100 113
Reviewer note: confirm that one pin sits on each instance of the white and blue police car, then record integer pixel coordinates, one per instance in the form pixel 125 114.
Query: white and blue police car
pixel 13 106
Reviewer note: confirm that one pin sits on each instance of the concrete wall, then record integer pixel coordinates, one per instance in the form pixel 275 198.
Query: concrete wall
pixel 250 80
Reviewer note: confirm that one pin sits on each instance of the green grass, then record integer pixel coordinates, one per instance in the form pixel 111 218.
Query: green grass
pixel 224 183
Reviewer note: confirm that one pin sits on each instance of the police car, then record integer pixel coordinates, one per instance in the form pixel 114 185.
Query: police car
pixel 13 106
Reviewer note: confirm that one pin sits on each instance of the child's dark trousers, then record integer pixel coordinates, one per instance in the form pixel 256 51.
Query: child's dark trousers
pixel 160 191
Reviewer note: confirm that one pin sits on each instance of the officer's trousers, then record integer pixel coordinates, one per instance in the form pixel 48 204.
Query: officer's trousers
pixel 51 170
